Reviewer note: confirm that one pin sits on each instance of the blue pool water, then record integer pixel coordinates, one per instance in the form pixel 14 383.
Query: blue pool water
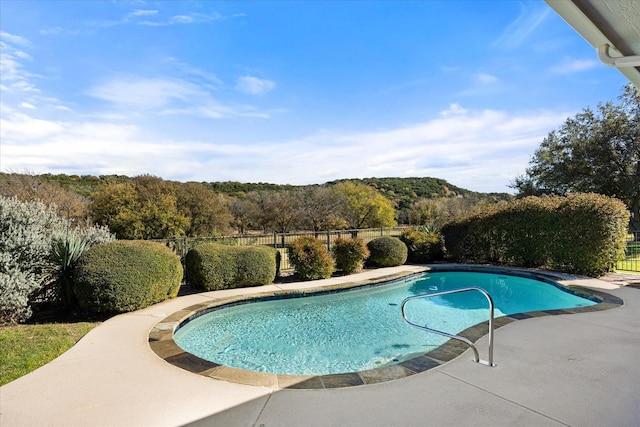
pixel 359 329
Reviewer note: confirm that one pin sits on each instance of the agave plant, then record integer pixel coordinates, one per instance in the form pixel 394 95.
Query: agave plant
pixel 65 253
pixel 428 228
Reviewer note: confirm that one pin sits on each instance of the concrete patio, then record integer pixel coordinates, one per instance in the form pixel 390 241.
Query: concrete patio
pixel 575 369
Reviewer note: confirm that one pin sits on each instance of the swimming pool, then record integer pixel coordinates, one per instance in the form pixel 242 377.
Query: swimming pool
pixel 361 329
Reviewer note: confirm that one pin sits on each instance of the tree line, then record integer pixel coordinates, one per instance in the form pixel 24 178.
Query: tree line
pixel 149 207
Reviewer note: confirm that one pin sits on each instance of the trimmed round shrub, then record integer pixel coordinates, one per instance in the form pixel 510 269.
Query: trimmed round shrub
pixel 212 266
pixel 126 275
pixel 423 246
pixel 310 258
pixel 350 254
pixel 387 251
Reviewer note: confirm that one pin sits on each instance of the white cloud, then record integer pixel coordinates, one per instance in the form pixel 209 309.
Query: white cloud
pixel 485 78
pixel 480 150
pixel 52 31
pixel 482 84
pixel 11 57
pixel 167 96
pixel 15 78
pixel 22 85
pixel 10 68
pixel 572 66
pixel 454 108
pixel 182 19
pixel 28 106
pixel 22 55
pixel 254 86
pixel 518 31
pixel 142 12
pixel 204 78
pixel 145 93
pixel 16 128
pixel 154 18
pixel 13 39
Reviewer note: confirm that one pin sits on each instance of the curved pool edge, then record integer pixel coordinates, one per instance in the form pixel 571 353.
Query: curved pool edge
pixel 162 343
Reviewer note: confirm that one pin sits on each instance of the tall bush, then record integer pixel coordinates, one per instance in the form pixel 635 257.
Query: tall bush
pixel 213 266
pixel 310 258
pixel 387 251
pixel 579 233
pixel 423 246
pixel 591 237
pixel 350 254
pixel 126 275
pixel 26 230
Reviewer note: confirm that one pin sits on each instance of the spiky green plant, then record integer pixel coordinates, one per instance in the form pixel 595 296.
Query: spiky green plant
pixel 66 249
pixel 65 253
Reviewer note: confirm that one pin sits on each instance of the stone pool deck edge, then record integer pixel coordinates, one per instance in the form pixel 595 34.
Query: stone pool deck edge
pixel 162 343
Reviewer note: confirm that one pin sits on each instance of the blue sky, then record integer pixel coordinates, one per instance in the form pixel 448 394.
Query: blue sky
pixel 290 92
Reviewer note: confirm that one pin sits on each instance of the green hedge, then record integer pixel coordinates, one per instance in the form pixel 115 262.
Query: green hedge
pixel 310 258
pixel 349 254
pixel 423 246
pixel 387 251
pixel 126 275
pixel 580 233
pixel 212 266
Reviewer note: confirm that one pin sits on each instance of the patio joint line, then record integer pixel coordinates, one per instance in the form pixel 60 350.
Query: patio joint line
pixel 266 402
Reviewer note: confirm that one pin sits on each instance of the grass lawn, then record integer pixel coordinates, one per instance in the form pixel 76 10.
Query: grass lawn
pixel 629 264
pixel 27 347
pixel 632 260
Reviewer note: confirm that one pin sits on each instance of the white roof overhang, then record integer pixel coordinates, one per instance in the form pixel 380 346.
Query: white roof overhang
pixel 612 27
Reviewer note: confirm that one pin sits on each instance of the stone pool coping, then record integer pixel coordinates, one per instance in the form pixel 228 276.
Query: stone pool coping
pixel 162 343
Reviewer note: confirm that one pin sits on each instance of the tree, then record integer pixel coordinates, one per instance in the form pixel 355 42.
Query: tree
pixel 365 207
pixel 116 205
pixel 145 208
pixel 436 212
pixel 267 211
pixel 594 151
pixel 244 211
pixel 207 211
pixel 256 204
pixel 321 208
pixel 28 187
pixel 281 211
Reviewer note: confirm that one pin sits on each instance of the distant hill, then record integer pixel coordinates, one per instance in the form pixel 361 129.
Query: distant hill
pixel 235 189
pixel 402 191
pixel 405 191
pixel 84 184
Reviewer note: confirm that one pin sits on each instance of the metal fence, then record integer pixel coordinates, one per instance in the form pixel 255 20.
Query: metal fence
pixel 632 254
pixel 280 241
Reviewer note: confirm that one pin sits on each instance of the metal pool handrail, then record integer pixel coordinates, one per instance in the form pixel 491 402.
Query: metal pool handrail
pixel 457 337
